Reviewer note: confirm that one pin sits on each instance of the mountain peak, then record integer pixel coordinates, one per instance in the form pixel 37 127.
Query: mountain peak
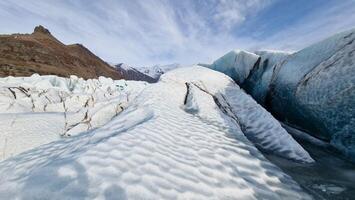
pixel 41 29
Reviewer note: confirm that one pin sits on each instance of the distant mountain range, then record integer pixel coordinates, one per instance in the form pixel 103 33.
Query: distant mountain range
pixel 40 52
pixel 157 70
pixel 148 74
pixel 131 73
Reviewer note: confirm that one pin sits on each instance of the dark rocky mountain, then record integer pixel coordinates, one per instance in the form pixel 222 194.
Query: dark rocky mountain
pixel 40 52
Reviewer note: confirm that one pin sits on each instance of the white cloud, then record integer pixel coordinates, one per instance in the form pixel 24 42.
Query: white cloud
pixel 161 31
pixel 136 32
pixel 232 12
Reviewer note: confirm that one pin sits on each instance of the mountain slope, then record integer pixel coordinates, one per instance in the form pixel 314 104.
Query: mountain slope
pixel 40 52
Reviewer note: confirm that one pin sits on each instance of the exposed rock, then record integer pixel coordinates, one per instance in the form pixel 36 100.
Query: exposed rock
pixel 40 52
pixel 41 29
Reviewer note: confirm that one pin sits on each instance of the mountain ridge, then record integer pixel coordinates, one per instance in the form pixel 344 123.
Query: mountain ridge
pixel 40 52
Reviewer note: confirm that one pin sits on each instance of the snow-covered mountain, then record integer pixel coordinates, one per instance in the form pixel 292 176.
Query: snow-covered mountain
pixel 131 73
pixel 157 70
pixel 193 145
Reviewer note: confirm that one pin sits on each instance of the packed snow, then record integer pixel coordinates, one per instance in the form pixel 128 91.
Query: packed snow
pixel 39 109
pixel 177 139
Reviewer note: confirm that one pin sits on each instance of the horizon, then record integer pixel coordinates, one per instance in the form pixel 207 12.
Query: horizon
pixel 162 32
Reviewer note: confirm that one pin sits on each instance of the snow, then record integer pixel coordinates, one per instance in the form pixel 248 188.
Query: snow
pixel 157 70
pixel 314 89
pixel 124 66
pixel 39 109
pixel 256 123
pixel 154 149
pixel 236 64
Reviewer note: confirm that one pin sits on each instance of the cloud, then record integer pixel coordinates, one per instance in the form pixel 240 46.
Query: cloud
pixel 149 32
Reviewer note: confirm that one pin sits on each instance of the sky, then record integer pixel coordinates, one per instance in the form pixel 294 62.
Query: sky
pixel 148 32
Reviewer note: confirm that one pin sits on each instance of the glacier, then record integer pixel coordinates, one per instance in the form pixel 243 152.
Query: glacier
pixel 237 64
pixel 311 90
pixel 192 145
pixel 258 82
pixel 314 90
pixel 40 109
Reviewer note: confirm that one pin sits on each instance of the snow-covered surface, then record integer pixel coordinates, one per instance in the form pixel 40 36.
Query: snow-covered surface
pixel 124 66
pixel 39 109
pixel 237 64
pixel 157 70
pixel 156 148
pixel 256 123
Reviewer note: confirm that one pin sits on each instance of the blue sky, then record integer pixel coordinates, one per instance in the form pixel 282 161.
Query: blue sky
pixel 148 32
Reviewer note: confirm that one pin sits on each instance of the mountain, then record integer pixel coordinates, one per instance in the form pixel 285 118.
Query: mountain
pixel 157 70
pixel 312 89
pixel 40 52
pixel 131 73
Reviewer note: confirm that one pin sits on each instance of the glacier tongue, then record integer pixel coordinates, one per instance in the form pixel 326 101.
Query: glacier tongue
pixel 154 149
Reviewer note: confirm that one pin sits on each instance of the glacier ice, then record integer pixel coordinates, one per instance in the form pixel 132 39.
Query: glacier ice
pixel 237 64
pixel 314 89
pixel 257 84
pixel 39 109
pixel 154 149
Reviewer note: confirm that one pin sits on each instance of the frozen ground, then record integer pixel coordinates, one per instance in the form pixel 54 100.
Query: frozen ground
pixel 39 109
pixel 178 139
